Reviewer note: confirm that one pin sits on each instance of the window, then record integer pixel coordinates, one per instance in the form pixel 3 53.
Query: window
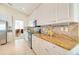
pixel 19 24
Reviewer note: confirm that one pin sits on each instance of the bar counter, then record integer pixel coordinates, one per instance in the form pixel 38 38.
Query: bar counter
pixel 60 40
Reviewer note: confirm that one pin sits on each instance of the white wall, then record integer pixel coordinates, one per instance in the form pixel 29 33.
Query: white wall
pixel 49 13
pixel 9 14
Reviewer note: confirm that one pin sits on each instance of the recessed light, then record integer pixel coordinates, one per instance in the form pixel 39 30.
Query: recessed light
pixel 23 8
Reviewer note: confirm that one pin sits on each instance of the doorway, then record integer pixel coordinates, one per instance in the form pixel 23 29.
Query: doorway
pixel 19 27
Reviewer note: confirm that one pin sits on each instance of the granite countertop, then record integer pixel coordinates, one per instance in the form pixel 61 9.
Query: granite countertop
pixel 62 41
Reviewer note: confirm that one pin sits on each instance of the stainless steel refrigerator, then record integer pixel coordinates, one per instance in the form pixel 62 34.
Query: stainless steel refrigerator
pixel 3 32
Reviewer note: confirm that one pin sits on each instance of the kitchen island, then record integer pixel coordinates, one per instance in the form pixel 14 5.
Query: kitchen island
pixel 45 45
pixel 60 40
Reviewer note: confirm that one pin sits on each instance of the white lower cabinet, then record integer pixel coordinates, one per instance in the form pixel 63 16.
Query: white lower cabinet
pixel 42 47
pixel 10 36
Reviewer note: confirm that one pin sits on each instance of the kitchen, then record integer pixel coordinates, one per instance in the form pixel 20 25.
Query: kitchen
pixel 47 29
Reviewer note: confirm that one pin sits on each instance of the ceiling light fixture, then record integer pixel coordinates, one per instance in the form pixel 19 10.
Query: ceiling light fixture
pixel 23 8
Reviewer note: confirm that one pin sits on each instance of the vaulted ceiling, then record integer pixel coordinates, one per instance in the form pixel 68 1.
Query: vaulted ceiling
pixel 26 8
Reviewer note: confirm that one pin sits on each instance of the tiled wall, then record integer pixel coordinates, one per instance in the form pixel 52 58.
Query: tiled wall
pixel 69 30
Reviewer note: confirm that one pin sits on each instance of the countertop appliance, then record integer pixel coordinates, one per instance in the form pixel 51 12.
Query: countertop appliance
pixel 3 32
pixel 37 29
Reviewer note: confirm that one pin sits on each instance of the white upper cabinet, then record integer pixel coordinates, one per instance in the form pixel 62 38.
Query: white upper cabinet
pixel 47 13
pixel 50 13
pixel 63 12
pixel 53 12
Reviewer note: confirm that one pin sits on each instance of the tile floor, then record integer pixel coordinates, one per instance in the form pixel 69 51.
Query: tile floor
pixel 17 47
pixel 20 47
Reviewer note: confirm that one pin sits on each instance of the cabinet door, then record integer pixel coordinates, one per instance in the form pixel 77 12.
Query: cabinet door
pixel 63 11
pixel 47 13
pixel 53 49
pixel 38 46
pixel 50 13
pixel 9 36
